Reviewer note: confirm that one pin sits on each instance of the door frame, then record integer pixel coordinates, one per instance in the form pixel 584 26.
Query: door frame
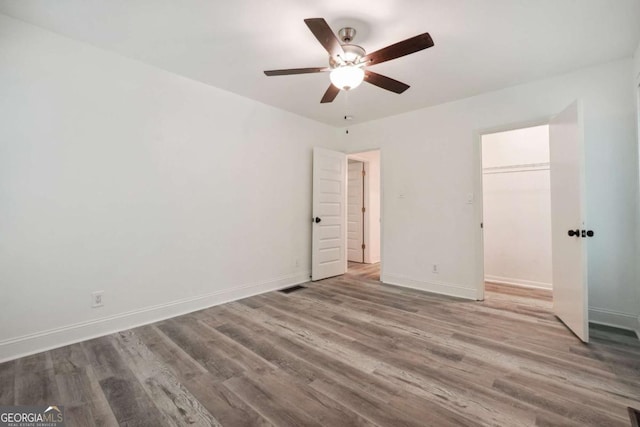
pixel 354 155
pixel 478 236
pixel 365 199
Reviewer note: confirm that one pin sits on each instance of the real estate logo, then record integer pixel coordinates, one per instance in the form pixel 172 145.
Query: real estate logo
pixel 32 416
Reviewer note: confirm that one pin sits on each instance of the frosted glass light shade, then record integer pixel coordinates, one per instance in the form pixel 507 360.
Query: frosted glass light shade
pixel 347 77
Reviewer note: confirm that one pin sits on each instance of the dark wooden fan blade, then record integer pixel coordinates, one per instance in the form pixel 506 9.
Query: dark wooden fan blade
pixel 330 94
pixel 405 47
pixel 325 36
pixel 384 82
pixel 296 71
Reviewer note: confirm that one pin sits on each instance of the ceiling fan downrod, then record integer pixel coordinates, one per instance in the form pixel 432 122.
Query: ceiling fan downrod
pixel 347 34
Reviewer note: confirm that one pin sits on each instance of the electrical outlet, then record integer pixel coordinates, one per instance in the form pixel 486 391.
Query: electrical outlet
pixel 96 299
pixel 434 268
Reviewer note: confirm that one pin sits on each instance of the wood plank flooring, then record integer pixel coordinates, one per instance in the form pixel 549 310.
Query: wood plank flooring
pixel 344 351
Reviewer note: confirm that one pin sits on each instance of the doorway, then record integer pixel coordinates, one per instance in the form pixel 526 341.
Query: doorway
pixel 516 209
pixel 356 211
pixel 569 228
pixel 329 212
pixel 363 209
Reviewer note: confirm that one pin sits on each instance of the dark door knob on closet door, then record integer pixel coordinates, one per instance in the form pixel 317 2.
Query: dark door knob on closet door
pixel 317 220
pixel 573 233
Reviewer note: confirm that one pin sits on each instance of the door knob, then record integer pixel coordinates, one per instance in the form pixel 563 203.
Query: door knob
pixel 317 219
pixel 575 232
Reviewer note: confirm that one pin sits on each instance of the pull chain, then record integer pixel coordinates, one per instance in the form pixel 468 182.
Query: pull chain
pixel 346 104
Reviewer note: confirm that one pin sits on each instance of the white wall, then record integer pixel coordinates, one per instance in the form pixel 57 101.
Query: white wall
pixel 430 164
pixel 517 207
pixel 373 203
pixel 167 194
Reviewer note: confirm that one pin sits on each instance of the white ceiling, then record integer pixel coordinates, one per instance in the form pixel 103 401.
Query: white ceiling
pixel 480 45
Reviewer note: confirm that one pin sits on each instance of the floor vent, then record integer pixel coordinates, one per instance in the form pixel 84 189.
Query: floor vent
pixel 292 289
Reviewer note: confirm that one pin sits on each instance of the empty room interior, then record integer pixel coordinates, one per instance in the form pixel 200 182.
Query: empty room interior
pixel 325 213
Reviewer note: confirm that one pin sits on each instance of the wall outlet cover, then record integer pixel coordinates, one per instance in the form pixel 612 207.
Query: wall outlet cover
pixel 96 299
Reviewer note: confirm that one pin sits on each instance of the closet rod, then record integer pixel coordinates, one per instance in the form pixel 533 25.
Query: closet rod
pixel 516 168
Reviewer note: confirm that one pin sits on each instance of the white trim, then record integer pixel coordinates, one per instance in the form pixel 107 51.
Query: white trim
pixel 25 345
pixel 517 282
pixel 618 319
pixel 434 287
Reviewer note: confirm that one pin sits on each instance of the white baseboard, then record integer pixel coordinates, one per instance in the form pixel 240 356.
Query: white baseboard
pixel 517 282
pixel 431 286
pixel 25 345
pixel 614 318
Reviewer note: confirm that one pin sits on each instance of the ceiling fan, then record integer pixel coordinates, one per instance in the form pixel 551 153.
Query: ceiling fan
pixel 347 61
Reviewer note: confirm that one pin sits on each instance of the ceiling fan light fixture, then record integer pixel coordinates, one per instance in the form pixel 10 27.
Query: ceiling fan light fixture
pixel 347 77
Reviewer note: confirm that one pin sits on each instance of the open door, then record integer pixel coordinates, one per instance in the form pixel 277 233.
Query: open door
pixel 329 243
pixel 568 234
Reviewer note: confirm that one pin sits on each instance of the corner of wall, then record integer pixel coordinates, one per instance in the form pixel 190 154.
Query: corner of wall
pixel 168 216
pixel 442 288
pixel 636 74
pixel 636 61
pixel 600 316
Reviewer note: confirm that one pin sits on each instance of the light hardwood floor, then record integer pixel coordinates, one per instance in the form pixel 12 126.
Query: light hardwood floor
pixel 344 351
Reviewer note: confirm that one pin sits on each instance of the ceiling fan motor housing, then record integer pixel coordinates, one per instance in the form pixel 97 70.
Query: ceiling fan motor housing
pixel 352 52
pixel 352 55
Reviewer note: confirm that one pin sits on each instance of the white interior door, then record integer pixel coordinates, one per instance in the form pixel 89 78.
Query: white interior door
pixel 328 251
pixel 569 261
pixel 355 216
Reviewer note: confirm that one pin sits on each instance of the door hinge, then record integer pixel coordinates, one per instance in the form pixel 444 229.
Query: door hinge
pixel 364 246
pixel 363 209
pixel 363 173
